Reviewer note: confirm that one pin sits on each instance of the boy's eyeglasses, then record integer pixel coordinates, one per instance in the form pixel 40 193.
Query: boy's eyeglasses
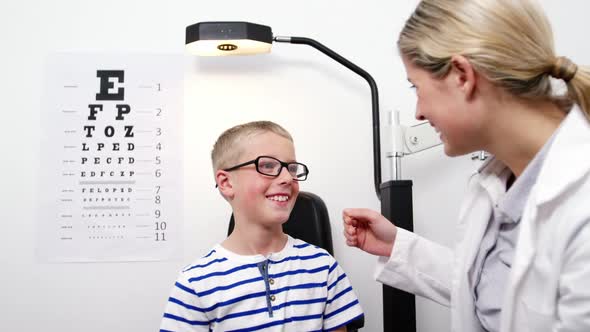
pixel 272 167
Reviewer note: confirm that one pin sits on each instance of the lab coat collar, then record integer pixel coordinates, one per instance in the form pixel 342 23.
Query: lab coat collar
pixel 492 176
pixel 567 159
pixel 564 165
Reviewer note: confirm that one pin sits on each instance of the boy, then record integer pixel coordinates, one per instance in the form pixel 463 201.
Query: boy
pixel 260 278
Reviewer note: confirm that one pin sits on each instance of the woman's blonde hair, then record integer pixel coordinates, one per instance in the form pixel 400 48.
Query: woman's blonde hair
pixel 508 41
pixel 231 143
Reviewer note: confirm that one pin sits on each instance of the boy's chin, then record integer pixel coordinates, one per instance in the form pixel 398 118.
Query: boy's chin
pixel 278 218
pixel 281 219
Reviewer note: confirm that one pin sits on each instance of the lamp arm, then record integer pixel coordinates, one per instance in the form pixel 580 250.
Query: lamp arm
pixel 374 98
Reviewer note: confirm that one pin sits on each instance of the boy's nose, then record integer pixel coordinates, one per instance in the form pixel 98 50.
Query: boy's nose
pixel 285 176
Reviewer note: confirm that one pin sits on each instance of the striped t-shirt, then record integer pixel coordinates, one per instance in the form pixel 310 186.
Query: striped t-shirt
pixel 300 288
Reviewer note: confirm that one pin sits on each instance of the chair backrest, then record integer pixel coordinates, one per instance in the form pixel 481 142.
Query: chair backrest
pixel 309 221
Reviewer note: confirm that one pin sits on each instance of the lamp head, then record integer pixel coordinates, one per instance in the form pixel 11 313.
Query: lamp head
pixel 228 38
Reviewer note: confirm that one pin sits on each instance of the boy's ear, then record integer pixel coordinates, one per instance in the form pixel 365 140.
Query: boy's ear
pixel 224 184
pixel 464 75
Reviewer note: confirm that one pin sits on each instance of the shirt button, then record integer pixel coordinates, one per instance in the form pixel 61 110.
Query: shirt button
pixel 271 281
pixel 272 297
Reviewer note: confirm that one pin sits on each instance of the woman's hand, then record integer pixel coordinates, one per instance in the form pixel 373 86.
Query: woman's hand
pixel 369 231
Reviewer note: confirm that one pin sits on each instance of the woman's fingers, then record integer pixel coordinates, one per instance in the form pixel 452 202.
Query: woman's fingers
pixel 348 220
pixel 350 235
pixel 349 229
pixel 351 242
pixel 366 215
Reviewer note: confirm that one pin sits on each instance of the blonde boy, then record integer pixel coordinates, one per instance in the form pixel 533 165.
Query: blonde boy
pixel 259 278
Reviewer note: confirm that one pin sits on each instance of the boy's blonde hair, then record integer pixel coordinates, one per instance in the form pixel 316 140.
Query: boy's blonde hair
pixel 508 41
pixel 231 144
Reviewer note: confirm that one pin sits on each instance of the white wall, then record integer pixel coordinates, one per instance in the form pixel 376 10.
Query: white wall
pixel 325 106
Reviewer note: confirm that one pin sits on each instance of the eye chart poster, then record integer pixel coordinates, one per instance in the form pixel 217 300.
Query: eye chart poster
pixel 111 163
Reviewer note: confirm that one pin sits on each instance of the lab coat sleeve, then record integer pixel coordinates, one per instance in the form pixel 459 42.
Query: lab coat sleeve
pixel 418 266
pixel 573 306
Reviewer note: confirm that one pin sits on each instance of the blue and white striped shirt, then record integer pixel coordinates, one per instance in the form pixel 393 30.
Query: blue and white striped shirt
pixel 300 288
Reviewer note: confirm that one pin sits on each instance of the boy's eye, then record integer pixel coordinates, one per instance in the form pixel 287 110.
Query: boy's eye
pixel 268 165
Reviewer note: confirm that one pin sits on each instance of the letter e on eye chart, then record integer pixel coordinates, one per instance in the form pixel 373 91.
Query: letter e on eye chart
pixel 111 146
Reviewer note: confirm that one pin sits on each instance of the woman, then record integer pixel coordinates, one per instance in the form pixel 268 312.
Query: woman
pixel 483 73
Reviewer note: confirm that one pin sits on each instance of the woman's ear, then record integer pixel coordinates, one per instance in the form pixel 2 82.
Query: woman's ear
pixel 223 180
pixel 464 75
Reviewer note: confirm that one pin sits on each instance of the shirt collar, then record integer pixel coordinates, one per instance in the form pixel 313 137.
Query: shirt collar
pixel 285 252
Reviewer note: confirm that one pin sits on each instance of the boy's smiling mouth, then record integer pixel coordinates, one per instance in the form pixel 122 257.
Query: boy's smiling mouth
pixel 278 197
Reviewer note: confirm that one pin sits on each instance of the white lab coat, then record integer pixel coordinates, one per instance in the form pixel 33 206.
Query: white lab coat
pixel 549 283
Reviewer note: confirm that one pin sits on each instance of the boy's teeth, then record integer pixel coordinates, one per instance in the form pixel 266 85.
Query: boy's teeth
pixel 279 198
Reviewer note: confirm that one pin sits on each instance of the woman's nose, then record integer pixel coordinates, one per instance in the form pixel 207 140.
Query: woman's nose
pixel 419 115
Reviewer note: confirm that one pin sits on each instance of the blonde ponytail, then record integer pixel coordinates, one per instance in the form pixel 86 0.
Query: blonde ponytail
pixel 579 89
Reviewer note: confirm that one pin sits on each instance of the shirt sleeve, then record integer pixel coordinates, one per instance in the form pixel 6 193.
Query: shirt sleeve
pixel 342 305
pixel 183 311
pixel 418 266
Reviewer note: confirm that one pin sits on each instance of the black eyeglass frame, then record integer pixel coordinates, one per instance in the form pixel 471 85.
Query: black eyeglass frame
pixel 282 163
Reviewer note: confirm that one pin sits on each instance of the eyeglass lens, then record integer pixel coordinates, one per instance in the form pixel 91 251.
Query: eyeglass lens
pixel 273 167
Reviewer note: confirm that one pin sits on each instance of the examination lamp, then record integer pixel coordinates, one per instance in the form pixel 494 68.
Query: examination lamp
pixel 244 38
pixel 228 38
